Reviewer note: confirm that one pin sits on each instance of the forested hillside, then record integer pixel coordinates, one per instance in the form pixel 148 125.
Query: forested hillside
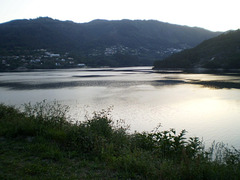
pixel 219 52
pixel 99 42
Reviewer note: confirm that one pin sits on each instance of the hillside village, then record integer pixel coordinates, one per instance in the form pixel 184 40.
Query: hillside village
pixel 45 59
pixel 38 59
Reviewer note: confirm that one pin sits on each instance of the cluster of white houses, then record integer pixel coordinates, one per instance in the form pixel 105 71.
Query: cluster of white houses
pixel 38 58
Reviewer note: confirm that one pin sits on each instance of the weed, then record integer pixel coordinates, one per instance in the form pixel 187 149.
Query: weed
pixel 41 141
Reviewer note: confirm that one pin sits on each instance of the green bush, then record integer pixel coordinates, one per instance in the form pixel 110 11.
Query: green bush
pixel 45 132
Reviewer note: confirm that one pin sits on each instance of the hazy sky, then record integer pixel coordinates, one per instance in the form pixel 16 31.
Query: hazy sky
pixel 215 15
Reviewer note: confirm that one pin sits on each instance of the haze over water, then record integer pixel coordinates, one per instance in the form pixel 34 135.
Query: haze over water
pixel 206 105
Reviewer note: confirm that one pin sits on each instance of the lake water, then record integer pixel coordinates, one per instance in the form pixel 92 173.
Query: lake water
pixel 206 105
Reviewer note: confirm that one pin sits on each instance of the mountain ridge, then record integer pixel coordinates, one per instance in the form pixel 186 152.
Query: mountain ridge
pixel 101 42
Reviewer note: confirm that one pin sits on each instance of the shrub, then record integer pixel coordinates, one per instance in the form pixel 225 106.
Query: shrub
pixel 154 155
pixel 51 114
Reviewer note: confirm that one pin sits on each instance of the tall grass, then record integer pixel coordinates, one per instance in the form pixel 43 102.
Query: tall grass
pixel 155 155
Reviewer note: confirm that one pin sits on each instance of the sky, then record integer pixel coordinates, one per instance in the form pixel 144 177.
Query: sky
pixel 214 15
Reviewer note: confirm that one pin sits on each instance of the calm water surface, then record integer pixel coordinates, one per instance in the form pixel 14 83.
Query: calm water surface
pixel 206 105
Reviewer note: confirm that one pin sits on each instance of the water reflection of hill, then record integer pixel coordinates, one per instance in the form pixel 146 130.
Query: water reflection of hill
pixel 218 84
pixel 120 78
pixel 121 84
pixel 231 78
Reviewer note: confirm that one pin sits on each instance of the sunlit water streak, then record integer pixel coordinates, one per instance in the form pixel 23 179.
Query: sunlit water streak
pixel 141 97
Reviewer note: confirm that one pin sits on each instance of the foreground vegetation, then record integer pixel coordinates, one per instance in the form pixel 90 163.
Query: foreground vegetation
pixel 41 142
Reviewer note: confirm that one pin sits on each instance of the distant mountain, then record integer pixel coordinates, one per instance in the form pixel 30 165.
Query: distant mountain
pixel 219 52
pixel 100 42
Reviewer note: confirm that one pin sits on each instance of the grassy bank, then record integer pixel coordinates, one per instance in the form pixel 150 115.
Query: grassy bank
pixel 41 143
